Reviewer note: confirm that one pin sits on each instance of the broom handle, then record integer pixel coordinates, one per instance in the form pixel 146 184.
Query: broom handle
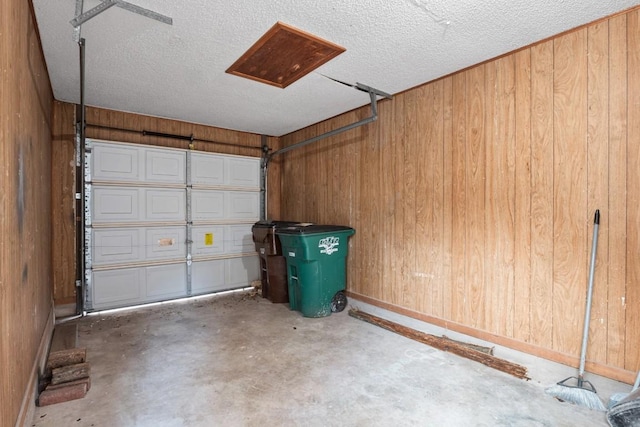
pixel 587 313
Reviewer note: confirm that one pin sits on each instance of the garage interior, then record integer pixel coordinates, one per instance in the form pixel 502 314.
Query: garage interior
pixel 472 196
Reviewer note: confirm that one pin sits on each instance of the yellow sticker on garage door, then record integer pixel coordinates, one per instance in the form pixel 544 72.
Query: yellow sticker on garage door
pixel 208 239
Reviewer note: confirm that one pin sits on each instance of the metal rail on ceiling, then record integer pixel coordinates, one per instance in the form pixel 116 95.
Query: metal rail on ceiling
pixel 373 94
pixel 267 157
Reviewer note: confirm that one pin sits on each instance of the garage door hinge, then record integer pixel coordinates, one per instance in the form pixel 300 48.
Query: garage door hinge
pixel 78 196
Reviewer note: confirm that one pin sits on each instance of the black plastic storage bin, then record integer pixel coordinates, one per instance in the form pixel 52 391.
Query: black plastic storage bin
pixel 273 266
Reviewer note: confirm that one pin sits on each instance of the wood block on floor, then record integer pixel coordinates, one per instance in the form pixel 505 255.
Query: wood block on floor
pixel 86 381
pixel 66 357
pixel 70 373
pixel 62 394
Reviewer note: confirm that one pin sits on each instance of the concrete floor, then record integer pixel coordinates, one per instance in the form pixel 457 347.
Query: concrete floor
pixel 239 360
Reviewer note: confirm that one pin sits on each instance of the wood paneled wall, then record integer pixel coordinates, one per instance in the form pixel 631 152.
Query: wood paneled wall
pixel 63 172
pixel 25 231
pixel 473 196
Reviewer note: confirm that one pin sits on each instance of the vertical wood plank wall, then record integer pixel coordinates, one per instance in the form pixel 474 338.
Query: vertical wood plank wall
pixel 25 230
pixel 63 171
pixel 473 196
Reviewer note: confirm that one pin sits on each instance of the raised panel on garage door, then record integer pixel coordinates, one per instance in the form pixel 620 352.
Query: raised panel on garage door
pixel 239 239
pixel 166 281
pixel 242 172
pixel 242 205
pixel 116 204
pixel 116 288
pixel 165 205
pixel 117 245
pixel 165 242
pixel 208 240
pixel 207 169
pixel 242 271
pixel 207 205
pixel 165 166
pixel 208 276
pixel 115 163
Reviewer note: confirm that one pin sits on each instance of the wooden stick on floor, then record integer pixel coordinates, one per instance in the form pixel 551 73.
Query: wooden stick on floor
pixel 444 344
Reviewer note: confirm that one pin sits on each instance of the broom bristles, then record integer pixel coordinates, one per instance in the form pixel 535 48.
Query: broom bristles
pixel 577 396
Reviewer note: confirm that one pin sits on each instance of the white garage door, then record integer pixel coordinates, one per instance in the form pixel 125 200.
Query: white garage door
pixel 166 223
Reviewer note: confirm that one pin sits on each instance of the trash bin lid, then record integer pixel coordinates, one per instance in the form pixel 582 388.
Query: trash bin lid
pixel 278 224
pixel 312 229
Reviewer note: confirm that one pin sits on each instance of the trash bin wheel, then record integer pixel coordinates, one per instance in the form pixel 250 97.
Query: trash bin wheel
pixel 339 302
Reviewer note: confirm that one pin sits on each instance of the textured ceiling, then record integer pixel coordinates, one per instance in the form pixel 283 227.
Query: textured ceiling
pixel 177 71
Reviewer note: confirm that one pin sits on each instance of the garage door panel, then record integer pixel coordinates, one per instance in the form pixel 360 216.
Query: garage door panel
pixel 166 281
pixel 165 205
pixel 117 287
pixel 208 240
pixel 242 205
pixel 165 242
pixel 207 205
pixel 240 172
pixel 240 239
pixel 207 169
pixel 115 163
pixel 223 274
pixel 117 245
pixel 242 271
pixel 116 204
pixel 208 276
pixel 143 246
pixel 165 166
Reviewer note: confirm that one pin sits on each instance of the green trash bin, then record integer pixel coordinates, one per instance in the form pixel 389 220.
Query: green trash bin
pixel 316 258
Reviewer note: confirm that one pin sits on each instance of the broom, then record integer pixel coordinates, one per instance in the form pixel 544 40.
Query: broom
pixel 582 392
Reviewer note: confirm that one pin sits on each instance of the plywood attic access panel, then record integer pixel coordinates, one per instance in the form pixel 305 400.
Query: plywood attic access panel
pixel 473 197
pixel 283 55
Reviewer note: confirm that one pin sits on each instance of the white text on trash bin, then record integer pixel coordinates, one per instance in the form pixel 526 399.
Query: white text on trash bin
pixel 329 245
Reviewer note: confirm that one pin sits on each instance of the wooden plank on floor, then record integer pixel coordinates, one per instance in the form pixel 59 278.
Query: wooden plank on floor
pixel 444 344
